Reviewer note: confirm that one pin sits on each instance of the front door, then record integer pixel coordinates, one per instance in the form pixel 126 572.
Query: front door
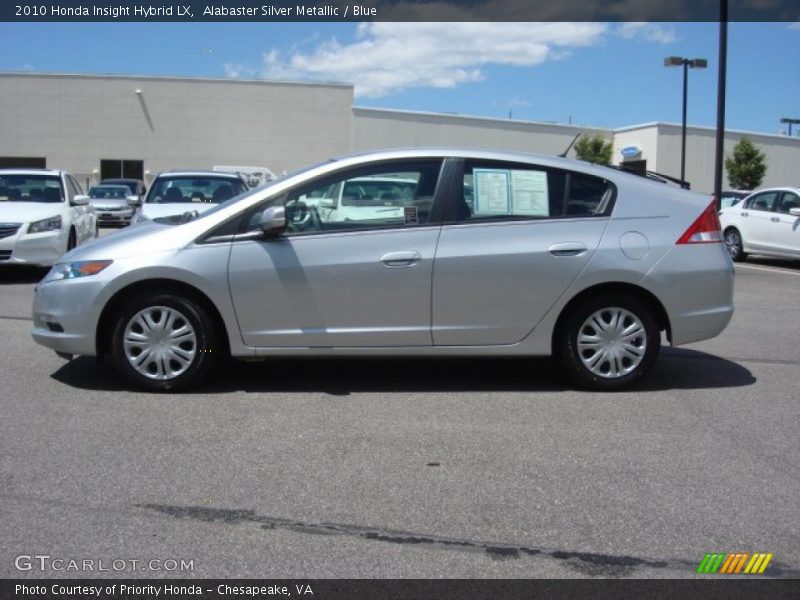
pixel 787 226
pixel 363 280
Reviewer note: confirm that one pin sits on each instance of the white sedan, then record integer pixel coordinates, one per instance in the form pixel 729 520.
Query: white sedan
pixel 43 214
pixel 766 222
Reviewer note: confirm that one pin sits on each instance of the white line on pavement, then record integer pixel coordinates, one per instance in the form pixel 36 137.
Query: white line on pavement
pixel 785 272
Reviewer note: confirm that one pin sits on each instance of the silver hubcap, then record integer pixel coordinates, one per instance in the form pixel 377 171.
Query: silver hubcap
pixel 612 342
pixel 732 242
pixel 160 342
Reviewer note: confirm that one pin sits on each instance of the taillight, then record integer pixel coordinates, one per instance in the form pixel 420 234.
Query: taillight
pixel 705 230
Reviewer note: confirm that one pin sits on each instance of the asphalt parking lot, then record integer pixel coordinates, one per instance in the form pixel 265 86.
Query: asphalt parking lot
pixel 441 468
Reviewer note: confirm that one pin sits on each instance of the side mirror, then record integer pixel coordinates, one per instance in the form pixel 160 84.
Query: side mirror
pixel 795 212
pixel 80 200
pixel 133 200
pixel 273 221
pixel 327 202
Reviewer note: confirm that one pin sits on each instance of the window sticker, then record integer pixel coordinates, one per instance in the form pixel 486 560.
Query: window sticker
pixel 491 191
pixel 529 193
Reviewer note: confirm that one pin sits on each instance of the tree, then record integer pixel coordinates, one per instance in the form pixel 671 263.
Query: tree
pixel 594 150
pixel 746 167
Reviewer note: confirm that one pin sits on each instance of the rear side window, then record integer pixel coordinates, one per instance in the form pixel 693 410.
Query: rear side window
pixel 515 191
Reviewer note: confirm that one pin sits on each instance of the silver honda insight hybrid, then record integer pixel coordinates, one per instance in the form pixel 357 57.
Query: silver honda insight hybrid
pixel 404 253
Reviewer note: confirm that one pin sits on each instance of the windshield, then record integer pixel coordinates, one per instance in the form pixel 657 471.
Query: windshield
pixel 109 192
pixel 30 188
pixel 129 183
pixel 379 192
pixel 209 190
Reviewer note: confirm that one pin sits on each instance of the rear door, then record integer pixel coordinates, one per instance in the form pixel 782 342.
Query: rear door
pixel 756 222
pixel 515 236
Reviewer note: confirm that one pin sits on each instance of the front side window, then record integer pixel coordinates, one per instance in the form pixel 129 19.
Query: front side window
pixel 788 201
pixel 765 201
pixel 511 191
pixel 31 188
pixel 396 195
pixel 169 190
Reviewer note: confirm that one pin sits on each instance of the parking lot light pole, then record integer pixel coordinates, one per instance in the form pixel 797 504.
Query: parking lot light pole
pixel 686 63
pixel 790 122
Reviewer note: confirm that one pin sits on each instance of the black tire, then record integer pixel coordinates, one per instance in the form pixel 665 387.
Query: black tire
pixel 206 344
pixel 733 242
pixel 71 240
pixel 566 347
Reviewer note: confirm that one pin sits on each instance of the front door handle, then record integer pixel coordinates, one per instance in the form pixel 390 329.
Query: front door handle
pixel 745 213
pixel 775 219
pixel 406 258
pixel 567 249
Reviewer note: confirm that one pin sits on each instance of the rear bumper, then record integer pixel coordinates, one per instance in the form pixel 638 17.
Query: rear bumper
pixel 695 284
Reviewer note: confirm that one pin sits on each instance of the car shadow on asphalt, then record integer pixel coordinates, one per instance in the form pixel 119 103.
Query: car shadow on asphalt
pixel 19 274
pixel 676 369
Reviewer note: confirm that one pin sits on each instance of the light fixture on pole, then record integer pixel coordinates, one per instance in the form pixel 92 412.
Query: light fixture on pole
pixel 686 63
pixel 790 122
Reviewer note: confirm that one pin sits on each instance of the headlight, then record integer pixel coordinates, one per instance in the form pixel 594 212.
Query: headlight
pixel 72 270
pixel 51 224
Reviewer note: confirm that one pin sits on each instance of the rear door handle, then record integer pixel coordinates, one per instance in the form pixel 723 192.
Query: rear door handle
pixel 567 249
pixel 405 258
pixel 775 219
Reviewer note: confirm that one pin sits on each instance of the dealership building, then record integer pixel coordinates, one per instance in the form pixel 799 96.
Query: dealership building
pixel 101 126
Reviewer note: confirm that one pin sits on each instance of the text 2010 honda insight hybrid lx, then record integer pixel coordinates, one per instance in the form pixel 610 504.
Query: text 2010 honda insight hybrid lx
pixel 404 253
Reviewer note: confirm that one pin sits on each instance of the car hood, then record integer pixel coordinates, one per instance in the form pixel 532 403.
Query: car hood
pixel 23 212
pixel 138 240
pixel 153 210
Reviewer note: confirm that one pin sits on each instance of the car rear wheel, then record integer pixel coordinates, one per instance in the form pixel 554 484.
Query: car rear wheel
pixel 607 342
pixel 733 242
pixel 164 342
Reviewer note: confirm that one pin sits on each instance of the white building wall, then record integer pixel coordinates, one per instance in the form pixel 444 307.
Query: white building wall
pixel 379 129
pixel 782 153
pixel 77 120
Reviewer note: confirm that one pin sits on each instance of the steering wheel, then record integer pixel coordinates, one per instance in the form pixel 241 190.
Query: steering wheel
pixel 301 217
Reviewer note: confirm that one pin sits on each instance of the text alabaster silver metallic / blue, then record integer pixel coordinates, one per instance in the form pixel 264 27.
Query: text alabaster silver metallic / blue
pixel 592 280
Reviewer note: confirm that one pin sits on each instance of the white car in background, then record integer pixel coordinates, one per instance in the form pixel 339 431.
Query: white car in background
pixel 366 198
pixel 43 214
pixel 174 193
pixel 112 203
pixel 766 222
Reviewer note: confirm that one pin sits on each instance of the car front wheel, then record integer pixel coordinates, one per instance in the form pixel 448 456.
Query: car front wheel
pixel 164 342
pixel 607 343
pixel 733 242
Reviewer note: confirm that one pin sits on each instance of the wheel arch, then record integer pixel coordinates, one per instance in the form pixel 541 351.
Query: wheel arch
pixel 105 323
pixel 617 287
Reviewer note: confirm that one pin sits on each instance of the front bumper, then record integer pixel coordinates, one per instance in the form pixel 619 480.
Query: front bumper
pixel 36 249
pixel 114 216
pixel 64 315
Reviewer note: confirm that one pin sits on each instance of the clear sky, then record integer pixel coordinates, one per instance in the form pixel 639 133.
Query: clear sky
pixel 601 74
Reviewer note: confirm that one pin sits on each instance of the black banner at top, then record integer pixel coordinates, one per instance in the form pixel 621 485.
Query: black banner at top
pixel 394 10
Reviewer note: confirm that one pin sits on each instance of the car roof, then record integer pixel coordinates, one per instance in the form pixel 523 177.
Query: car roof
pixel 558 162
pixel 32 171
pixel 209 174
